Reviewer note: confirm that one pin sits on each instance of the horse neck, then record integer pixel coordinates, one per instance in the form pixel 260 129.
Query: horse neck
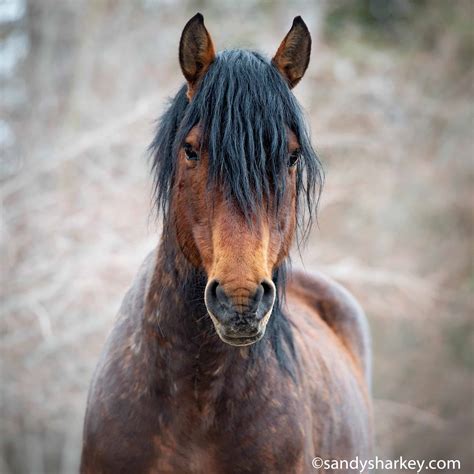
pixel 187 342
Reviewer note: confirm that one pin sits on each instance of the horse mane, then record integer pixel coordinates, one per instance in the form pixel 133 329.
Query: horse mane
pixel 244 108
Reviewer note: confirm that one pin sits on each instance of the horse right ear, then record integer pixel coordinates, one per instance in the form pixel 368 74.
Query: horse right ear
pixel 196 51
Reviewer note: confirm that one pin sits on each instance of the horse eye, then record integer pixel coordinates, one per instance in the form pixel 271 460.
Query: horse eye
pixel 293 158
pixel 191 154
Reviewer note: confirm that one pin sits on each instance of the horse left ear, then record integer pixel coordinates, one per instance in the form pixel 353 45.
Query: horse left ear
pixel 292 57
pixel 196 51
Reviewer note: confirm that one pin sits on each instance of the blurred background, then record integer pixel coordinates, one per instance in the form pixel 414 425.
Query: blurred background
pixel 389 98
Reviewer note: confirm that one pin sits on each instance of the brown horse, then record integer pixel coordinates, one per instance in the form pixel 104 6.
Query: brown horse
pixel 218 363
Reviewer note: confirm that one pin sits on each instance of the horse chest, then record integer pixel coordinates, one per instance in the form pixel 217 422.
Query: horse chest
pixel 229 434
pixel 180 455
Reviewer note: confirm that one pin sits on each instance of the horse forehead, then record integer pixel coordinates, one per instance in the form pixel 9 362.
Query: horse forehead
pixel 194 137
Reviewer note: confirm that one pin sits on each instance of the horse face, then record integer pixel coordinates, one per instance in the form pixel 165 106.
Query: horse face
pixel 239 254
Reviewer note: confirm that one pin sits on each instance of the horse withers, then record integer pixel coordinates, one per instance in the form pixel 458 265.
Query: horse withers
pixel 221 359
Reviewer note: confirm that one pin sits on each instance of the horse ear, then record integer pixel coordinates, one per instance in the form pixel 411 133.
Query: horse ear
pixel 292 57
pixel 196 51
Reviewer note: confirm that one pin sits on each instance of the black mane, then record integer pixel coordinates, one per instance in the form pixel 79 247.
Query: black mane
pixel 244 108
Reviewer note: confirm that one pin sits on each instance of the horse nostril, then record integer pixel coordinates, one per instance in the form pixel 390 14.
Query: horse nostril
pixel 211 289
pixel 215 296
pixel 257 298
pixel 268 296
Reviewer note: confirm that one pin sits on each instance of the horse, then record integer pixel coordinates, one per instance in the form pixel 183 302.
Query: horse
pixel 223 359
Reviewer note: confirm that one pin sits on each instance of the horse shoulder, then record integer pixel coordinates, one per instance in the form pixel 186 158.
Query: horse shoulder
pixel 338 308
pixel 119 401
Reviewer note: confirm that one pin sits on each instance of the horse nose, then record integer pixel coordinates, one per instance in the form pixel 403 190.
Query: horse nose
pixel 239 307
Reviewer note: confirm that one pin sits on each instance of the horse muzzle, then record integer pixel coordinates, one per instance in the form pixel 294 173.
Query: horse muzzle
pixel 240 321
